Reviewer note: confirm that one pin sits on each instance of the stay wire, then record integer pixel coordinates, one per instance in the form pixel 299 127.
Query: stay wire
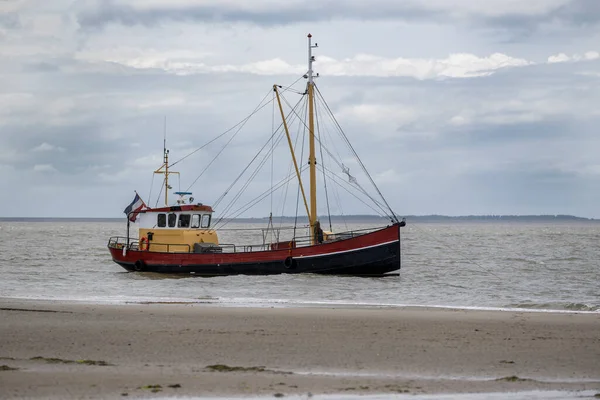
pixel 342 166
pixel 224 221
pixel 160 192
pixel 334 188
pixel 303 142
pixel 242 122
pixel 150 193
pixel 253 175
pixel 360 188
pixel 334 178
pixel 247 183
pixel 291 166
pixel 323 169
pixel 393 216
pixel 226 144
pixel 222 196
pixel 272 150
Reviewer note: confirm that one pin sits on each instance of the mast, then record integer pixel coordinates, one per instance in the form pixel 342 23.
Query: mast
pixel 164 168
pixel 312 161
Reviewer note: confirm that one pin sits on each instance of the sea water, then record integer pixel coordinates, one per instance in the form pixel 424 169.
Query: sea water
pixel 481 265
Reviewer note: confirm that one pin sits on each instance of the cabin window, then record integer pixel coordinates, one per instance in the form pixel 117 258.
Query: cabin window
pixel 205 220
pixel 172 220
pixel 184 221
pixel 161 220
pixel 196 221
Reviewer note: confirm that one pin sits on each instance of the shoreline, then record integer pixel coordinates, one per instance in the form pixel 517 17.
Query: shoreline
pixel 58 349
pixel 259 304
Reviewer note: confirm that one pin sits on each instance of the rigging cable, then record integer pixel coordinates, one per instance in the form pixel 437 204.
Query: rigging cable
pixel 224 221
pixel 301 122
pixel 272 149
pixel 333 177
pixel 222 196
pixel 334 188
pixel 360 189
pixel 160 192
pixel 248 181
pixel 242 122
pixel 393 216
pixel 150 193
pixel 358 186
pixel 226 144
pixel 291 166
pixel 323 168
pixel 345 169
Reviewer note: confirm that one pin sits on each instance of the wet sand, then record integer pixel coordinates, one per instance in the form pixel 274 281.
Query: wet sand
pixel 155 350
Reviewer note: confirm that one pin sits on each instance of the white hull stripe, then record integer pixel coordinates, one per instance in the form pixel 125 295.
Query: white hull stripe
pixel 347 251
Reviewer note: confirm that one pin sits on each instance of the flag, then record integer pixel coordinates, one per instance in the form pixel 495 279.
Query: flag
pixel 136 206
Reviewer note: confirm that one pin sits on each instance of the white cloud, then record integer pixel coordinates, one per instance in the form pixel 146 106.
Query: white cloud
pixel 461 65
pixel 44 168
pixel 47 147
pixel 591 55
pixel 398 115
pixel 562 57
pixel 558 58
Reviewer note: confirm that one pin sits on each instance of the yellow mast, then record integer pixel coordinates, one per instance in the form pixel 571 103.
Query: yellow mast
pixel 312 161
pixel 287 133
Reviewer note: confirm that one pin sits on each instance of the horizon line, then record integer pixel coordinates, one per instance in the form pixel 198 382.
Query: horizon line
pixel 354 216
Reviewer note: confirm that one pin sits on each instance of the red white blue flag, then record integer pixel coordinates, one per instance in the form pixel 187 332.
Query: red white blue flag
pixel 136 206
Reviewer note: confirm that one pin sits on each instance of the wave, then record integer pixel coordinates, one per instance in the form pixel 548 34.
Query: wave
pixel 556 306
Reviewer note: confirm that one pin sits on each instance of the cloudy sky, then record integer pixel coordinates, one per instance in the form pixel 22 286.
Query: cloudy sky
pixel 457 107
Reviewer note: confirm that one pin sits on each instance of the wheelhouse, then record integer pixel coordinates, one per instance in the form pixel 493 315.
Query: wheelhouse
pixel 181 228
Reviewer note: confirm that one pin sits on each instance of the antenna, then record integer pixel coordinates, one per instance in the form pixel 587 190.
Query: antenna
pixel 311 59
pixel 165 136
pixel 164 168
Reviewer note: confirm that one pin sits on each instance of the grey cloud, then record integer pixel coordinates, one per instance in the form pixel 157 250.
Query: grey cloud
pixel 579 12
pixel 41 66
pixel 107 12
pixel 517 27
pixel 576 12
pixel 10 21
pixel 112 125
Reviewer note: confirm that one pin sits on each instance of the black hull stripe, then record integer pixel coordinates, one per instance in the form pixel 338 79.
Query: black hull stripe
pixel 371 260
pixel 346 251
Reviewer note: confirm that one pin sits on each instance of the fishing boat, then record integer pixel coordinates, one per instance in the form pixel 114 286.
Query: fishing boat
pixel 182 237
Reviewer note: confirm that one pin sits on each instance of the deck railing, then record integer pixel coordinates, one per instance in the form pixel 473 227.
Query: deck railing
pixel 120 242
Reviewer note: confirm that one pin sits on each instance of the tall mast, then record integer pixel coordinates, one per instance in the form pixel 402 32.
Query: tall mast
pixel 166 161
pixel 312 161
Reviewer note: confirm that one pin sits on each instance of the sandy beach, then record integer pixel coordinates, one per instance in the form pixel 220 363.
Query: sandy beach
pixel 74 350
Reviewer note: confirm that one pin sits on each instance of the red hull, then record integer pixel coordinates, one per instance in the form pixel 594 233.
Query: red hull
pixel 371 253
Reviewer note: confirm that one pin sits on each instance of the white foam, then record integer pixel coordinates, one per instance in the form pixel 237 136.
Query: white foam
pixel 525 395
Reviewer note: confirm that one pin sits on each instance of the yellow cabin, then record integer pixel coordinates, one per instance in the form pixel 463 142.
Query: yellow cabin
pixel 178 229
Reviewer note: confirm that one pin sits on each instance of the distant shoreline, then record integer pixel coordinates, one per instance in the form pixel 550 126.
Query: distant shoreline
pixel 348 218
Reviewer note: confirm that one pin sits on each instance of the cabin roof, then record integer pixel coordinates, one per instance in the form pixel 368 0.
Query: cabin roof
pixel 186 207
